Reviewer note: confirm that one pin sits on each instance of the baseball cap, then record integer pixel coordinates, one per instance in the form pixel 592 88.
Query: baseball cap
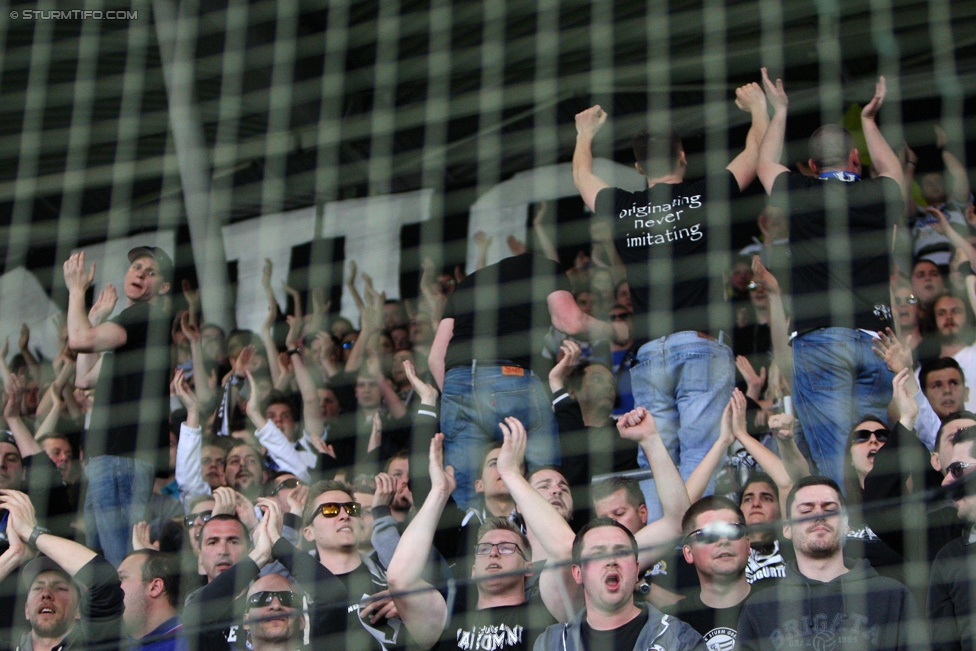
pixel 157 254
pixel 37 566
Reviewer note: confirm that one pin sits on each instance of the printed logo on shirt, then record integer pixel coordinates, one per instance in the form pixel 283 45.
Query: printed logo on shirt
pixel 720 639
pixel 845 630
pixel 765 566
pixel 489 638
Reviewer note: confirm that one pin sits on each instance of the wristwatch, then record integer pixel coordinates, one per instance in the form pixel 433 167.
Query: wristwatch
pixel 35 534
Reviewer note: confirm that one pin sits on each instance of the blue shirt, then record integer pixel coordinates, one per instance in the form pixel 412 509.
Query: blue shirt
pixel 168 636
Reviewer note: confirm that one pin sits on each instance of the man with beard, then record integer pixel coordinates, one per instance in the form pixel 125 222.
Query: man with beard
pixel 244 471
pixel 74 599
pixel 605 565
pixel 822 600
pixel 956 336
pixel 717 545
pixel 273 619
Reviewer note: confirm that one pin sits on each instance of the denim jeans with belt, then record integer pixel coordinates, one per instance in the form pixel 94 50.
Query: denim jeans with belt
pixel 837 380
pixel 475 399
pixel 685 380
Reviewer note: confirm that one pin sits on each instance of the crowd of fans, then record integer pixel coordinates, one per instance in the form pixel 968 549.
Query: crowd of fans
pixel 371 485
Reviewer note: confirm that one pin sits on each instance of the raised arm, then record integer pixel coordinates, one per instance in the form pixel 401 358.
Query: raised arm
pixel 311 412
pixel 68 554
pixel 82 336
pixel 697 482
pixel 422 609
pixel 24 344
pixel 883 158
pixel 588 122
pixel 656 538
pixel 567 317
pixel 768 165
pixel 778 323
pixel 542 238
pixel 771 464
pixel 438 350
pixel 750 98
pixel 550 529
pixel 267 326
pixel 11 413
pixel 958 185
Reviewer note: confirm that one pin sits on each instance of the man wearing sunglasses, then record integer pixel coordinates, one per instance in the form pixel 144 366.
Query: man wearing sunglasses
pixel 352 604
pixel 822 598
pixel 950 601
pixel 273 618
pixel 717 545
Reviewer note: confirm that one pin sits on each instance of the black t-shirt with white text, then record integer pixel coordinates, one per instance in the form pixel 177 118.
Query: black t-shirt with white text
pixel 717 626
pixel 502 628
pixel 675 246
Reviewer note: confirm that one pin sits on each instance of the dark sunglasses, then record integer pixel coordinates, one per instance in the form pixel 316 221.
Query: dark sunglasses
pixel 288 483
pixel 331 509
pixel 715 531
pixel 958 468
pixel 864 435
pixel 620 317
pixel 190 520
pixel 262 599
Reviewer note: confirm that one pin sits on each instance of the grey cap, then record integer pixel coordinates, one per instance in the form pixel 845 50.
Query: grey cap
pixel 161 257
pixel 37 566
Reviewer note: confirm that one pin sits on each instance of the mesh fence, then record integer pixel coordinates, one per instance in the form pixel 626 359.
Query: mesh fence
pixel 402 134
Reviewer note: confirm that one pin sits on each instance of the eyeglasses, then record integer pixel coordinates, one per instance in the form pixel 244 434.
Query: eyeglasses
pixel 202 516
pixel 262 599
pixel 331 509
pixel 504 548
pixel 908 300
pixel 864 435
pixel 715 531
pixel 958 468
pixel 288 483
pixel 621 316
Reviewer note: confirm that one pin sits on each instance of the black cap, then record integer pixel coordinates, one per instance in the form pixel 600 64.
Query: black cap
pixel 157 254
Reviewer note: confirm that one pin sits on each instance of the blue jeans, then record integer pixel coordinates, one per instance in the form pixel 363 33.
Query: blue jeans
pixel 119 489
pixel 837 380
pixel 685 380
pixel 475 399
